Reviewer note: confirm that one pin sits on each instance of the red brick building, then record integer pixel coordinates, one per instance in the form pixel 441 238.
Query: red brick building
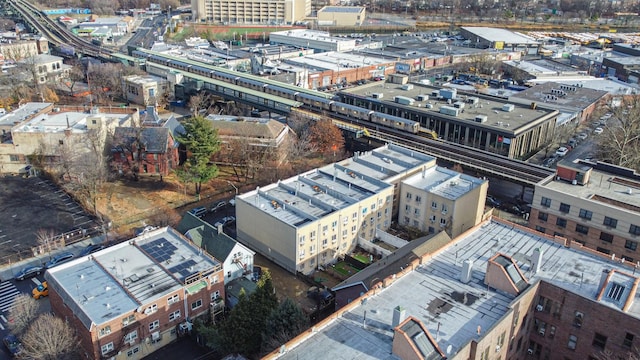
pixel 146 150
pixel 131 299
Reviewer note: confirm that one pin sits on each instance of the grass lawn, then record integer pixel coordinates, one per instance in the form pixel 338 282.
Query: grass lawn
pixel 362 258
pixel 344 269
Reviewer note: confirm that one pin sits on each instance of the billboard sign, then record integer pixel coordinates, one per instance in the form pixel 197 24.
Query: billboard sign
pixel 403 68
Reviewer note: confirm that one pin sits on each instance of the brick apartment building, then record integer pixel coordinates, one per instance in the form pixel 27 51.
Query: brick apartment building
pixel 131 299
pixel 499 291
pixel 596 205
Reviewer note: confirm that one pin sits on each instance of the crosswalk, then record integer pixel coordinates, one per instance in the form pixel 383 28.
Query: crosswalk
pixel 8 293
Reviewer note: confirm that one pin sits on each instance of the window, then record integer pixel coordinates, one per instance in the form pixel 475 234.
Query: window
pixel 585 214
pixel 565 207
pixel 546 202
pixel 577 319
pixel 541 229
pixel 312 249
pixel 444 208
pixel 443 222
pixel 196 304
pixel 582 229
pixel 14 158
pixel 610 222
pixel 215 295
pixel 302 237
pixel 418 199
pixel 128 320
pixel 334 238
pixel 432 218
pixel 543 216
pixel 154 325
pixel 133 351
pixel 603 250
pixel 561 222
pixel 634 229
pixel 485 354
pixel 353 229
pixel 552 332
pixel 173 299
pixel 409 196
pixel 407 208
pixel 174 315
pixel 416 212
pixel 628 340
pixel 131 337
pixel 301 254
pixel 151 309
pixel 626 258
pixel 354 216
pixel 434 205
pixel 631 245
pixel 334 225
pixel 61 142
pixel 105 331
pixel 501 339
pixel 107 348
pixel 345 232
pixel 325 242
pixel 312 236
pixel 615 291
pixel 599 341
pixel 572 342
pixel 606 237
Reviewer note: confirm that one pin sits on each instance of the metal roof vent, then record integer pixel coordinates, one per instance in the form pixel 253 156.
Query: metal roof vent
pixel 629 191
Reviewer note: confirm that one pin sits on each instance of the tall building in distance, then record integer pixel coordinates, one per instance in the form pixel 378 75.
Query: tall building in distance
pixel 251 12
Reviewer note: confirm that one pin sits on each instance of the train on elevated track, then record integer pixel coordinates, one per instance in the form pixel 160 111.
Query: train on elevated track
pixel 312 100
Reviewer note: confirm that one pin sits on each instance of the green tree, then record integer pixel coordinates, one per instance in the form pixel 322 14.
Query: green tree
pixel 283 324
pixel 201 141
pixel 242 331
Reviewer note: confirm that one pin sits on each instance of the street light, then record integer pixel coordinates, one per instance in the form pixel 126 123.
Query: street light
pixel 234 187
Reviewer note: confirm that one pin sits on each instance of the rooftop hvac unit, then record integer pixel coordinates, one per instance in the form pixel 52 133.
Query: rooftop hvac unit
pixel 377 95
pixel 407 87
pixel 480 118
pixel 508 107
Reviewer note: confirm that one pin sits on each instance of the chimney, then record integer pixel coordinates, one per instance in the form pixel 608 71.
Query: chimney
pixel 536 260
pixel 399 315
pixel 603 279
pixel 467 270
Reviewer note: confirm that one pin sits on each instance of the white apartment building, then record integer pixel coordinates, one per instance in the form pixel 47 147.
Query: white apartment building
pixel 439 199
pixel 314 218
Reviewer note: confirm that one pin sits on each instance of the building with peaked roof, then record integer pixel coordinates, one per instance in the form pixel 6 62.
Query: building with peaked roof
pixel 237 259
pixel 495 38
pixel 314 218
pixel 499 291
pixel 128 300
pixel 258 137
pixel 145 150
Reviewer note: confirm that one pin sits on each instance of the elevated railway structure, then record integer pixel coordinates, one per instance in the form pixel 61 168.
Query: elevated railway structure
pixel 56 33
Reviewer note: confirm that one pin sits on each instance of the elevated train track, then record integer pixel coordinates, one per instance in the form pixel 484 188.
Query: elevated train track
pixel 56 33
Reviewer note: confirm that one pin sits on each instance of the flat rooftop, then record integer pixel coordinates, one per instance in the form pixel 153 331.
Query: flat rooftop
pixel 497 34
pixel 343 9
pixel 603 187
pixel 451 310
pixel 610 85
pixel 123 277
pixel 522 115
pixel 542 67
pixel 315 35
pixel 335 61
pixel 312 195
pixel 578 98
pixel 57 122
pixel 23 113
pixel 144 79
pixel 443 182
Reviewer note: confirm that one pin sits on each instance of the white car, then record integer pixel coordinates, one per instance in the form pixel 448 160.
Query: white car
pixel 598 130
pixel 562 151
pixel 582 136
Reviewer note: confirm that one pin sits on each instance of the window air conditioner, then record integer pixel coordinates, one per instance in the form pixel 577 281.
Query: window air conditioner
pixel 530 351
pixel 539 308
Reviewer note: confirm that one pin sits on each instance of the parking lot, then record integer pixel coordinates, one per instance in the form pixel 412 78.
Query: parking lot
pixel 30 204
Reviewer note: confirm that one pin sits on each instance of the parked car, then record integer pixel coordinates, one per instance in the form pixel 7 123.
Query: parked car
pixel 59 259
pixel 144 230
pixel 232 202
pixel 12 344
pixel 40 291
pixel 514 209
pixel 29 272
pixel 217 206
pixel 573 142
pixel 257 273
pixel 562 151
pixel 493 201
pixel 582 136
pixel 549 161
pixel 596 123
pixel 91 248
pixel 200 211
pixel 224 221
pixel 598 130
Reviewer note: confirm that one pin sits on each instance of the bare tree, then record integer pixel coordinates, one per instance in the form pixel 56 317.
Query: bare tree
pixel 45 238
pixel 200 101
pixel 75 76
pixel 49 338
pixel 619 144
pixel 25 309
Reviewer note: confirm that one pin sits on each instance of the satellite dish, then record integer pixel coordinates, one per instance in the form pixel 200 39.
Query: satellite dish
pixel 449 348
